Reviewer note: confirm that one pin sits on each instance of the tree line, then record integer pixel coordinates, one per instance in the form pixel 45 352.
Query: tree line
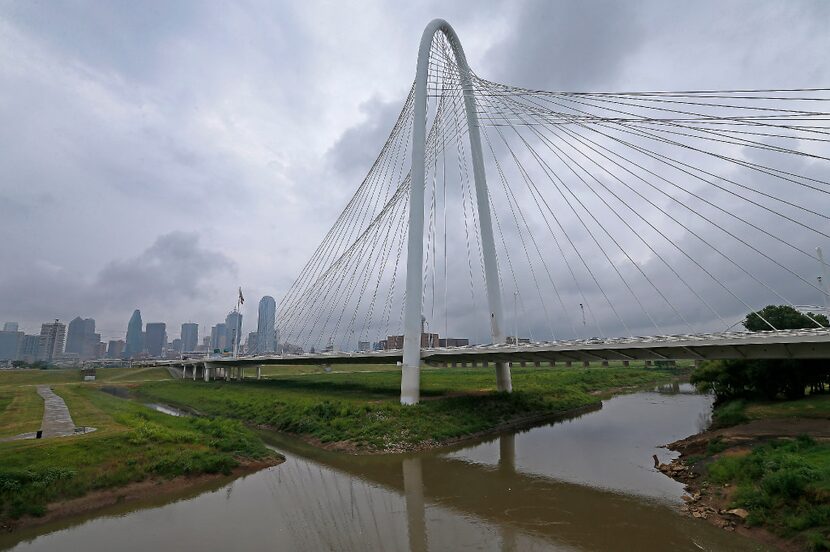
pixel 767 379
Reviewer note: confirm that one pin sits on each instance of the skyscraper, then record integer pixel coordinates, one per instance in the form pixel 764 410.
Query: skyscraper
pixel 156 338
pixel 92 346
pixel 28 348
pixel 75 335
pixel 81 338
pixel 218 337
pixel 250 344
pixel 233 327
pixel 10 327
pixel 266 340
pixel 50 344
pixel 135 341
pixel 190 337
pixel 10 342
pixel 115 348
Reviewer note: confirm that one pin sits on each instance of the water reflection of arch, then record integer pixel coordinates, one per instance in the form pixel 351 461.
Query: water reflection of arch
pixel 517 504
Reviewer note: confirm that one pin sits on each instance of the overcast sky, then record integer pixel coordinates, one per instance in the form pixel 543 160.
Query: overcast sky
pixel 157 154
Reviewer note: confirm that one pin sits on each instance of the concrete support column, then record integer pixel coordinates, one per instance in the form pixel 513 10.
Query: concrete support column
pixel 504 382
pixel 586 363
pixel 259 372
pixel 568 363
pixel 605 363
pixel 207 368
pixel 626 363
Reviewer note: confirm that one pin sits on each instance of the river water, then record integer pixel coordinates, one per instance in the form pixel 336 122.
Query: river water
pixel 584 483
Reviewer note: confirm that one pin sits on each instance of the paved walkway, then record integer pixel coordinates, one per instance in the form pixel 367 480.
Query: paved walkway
pixel 57 422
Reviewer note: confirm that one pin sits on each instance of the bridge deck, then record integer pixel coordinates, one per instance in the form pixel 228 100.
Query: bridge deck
pixel 800 344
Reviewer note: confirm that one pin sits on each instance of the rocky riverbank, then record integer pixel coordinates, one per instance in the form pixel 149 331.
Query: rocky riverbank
pixel 711 464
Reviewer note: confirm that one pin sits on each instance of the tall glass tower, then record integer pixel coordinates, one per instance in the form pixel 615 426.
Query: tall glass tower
pixel 266 340
pixel 135 337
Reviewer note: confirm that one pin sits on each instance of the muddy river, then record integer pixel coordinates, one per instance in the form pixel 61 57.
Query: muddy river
pixel 583 483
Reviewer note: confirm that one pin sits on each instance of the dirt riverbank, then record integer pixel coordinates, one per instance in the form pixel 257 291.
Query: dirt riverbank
pixel 710 502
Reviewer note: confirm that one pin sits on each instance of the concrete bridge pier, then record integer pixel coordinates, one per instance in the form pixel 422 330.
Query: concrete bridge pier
pixel 259 372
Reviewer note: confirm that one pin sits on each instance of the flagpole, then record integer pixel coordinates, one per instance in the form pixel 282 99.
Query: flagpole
pixel 236 337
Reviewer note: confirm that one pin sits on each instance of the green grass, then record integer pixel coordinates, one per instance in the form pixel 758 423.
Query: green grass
pixel 362 410
pixel 37 377
pixel 812 406
pixel 6 399
pixel 740 411
pixel 729 414
pixel 73 375
pixel 785 486
pixel 289 370
pixel 23 410
pixel 133 443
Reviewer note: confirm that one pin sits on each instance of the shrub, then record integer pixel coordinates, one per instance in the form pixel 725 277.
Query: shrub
pixel 729 414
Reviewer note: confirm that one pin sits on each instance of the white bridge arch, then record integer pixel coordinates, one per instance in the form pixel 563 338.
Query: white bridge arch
pixel 411 376
pixel 654 205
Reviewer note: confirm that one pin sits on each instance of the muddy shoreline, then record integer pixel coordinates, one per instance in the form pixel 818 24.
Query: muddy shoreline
pixel 135 495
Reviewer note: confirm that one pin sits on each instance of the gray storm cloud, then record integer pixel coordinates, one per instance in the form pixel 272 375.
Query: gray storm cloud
pixel 157 156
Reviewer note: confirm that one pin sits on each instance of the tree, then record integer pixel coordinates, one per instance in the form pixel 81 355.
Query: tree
pixel 783 317
pixel 769 378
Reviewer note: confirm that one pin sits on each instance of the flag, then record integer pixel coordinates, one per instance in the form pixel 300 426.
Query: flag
pixel 241 298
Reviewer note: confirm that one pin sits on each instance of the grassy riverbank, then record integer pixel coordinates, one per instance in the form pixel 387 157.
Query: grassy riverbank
pixel 359 411
pixel 132 444
pixel 768 462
